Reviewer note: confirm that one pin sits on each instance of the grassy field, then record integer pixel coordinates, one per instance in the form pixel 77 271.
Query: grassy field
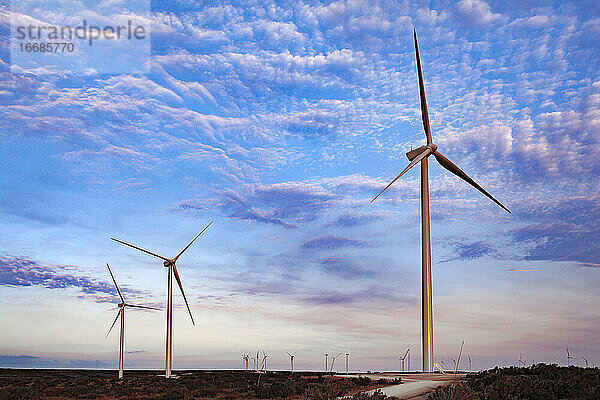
pixel 87 384
pixel 538 382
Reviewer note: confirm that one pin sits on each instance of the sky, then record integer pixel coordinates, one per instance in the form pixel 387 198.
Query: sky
pixel 280 121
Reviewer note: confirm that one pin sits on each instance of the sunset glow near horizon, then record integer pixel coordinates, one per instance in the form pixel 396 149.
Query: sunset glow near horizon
pixel 280 121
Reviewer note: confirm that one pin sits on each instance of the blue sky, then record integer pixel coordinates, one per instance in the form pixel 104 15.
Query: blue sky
pixel 280 121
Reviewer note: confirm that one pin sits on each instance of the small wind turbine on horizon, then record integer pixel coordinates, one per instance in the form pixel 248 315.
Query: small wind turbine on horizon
pixel 586 361
pixel 569 358
pixel 172 270
pixel 457 362
pixel 245 358
pixel 469 357
pixel 121 313
pixel 521 361
pixel 421 155
pixel 347 362
pixel 333 362
pixel 292 360
pixel 326 354
pixel 402 358
pixel 265 356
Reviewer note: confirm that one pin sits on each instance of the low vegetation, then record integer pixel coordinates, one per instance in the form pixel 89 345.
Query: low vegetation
pixel 230 385
pixel 538 382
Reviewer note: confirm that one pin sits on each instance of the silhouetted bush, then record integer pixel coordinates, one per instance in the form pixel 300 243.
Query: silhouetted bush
pixel 148 385
pixel 538 382
pixel 377 395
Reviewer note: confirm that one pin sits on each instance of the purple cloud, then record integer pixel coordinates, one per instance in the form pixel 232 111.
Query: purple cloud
pixel 18 271
pixel 465 250
pixel 350 220
pixel 332 242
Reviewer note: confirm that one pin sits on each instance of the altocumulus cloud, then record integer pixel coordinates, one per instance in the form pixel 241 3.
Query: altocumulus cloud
pixel 332 242
pixel 22 272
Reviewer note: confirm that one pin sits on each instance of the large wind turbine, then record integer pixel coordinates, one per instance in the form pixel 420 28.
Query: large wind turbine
pixel 421 155
pixel 170 264
pixel 121 313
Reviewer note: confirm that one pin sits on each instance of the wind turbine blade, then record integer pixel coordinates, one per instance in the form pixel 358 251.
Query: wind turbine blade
pixel 140 249
pixel 186 247
pixel 114 322
pixel 182 292
pixel 146 307
pixel 405 354
pixel 412 164
pixel 450 166
pixel 424 113
pixel 115 282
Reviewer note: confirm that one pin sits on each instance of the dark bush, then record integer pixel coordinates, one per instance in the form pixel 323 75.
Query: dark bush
pixel 538 382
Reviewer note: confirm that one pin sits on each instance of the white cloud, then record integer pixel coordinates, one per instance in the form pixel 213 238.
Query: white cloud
pixel 476 12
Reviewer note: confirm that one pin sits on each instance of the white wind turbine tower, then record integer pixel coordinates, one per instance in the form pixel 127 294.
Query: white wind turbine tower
pixel 333 362
pixel 569 358
pixel 469 363
pixel 265 356
pixel 292 360
pixel 245 358
pixel 421 155
pixel 326 354
pixel 402 358
pixel 586 361
pixel 347 362
pixel 172 270
pixel 121 313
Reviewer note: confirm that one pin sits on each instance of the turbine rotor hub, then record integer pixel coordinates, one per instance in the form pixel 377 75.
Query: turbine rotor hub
pixel 167 264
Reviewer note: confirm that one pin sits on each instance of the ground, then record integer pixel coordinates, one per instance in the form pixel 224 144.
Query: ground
pixel 89 384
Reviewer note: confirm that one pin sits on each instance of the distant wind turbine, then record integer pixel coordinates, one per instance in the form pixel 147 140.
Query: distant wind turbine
pixel 421 155
pixel 569 358
pixel 521 362
pixel 457 362
pixel 326 362
pixel 333 362
pixel 586 361
pixel 402 358
pixel 170 264
pixel 292 360
pixel 469 363
pixel 121 313
pixel 245 358
pixel 347 362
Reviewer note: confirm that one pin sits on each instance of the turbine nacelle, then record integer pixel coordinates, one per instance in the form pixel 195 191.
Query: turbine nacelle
pixel 168 263
pixel 411 155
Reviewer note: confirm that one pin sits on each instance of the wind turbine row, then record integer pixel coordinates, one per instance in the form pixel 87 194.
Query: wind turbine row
pixel 168 263
pixel 416 156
